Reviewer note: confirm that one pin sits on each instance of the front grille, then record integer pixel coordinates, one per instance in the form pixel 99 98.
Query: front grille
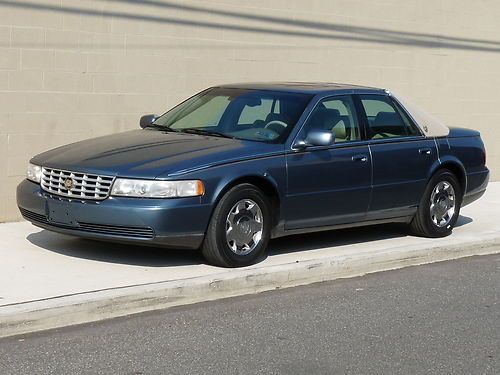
pixel 112 230
pixel 117 230
pixel 84 186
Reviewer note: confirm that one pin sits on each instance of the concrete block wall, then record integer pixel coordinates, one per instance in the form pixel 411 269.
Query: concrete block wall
pixel 75 69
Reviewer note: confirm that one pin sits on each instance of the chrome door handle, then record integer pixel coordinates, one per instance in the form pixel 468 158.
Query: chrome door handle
pixel 361 158
pixel 424 151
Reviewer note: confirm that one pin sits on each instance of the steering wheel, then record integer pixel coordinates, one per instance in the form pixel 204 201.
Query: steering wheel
pixel 267 133
pixel 271 124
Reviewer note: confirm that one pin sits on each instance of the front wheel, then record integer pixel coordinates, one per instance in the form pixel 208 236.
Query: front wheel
pixel 239 229
pixel 439 207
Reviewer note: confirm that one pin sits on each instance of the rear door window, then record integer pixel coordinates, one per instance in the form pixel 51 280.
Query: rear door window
pixel 386 119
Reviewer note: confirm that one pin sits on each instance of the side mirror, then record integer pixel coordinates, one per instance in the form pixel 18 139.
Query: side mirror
pixel 316 138
pixel 147 120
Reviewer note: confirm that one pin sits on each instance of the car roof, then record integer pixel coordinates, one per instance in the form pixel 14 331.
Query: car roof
pixel 303 87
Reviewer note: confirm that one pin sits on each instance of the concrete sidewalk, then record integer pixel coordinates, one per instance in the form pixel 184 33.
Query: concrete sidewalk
pixel 48 280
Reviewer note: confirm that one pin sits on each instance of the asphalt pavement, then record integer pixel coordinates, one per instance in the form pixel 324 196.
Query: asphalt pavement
pixel 441 318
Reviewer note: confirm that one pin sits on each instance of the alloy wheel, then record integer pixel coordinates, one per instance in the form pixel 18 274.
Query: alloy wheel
pixel 244 227
pixel 442 204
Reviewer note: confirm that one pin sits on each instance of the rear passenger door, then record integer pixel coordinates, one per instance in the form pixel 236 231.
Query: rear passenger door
pixel 402 157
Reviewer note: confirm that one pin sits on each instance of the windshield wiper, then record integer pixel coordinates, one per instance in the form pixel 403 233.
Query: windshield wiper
pixel 161 127
pixel 205 132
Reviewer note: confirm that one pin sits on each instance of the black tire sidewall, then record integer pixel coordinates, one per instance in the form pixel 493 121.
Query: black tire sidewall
pixel 245 191
pixel 431 228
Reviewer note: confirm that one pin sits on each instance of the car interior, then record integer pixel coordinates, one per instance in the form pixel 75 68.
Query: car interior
pixel 334 115
pixel 270 118
pixel 386 125
pixel 385 120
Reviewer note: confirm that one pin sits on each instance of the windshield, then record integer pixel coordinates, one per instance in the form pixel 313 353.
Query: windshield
pixel 257 115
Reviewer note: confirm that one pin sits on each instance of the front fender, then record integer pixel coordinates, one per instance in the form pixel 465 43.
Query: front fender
pixel 269 170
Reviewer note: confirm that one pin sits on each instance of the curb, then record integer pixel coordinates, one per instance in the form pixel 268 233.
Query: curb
pixel 94 306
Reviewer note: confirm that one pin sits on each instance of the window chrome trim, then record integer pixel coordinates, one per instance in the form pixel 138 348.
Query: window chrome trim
pixel 397 139
pixel 364 142
pixel 331 147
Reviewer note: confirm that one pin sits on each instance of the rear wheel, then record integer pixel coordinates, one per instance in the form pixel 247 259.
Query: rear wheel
pixel 239 229
pixel 439 207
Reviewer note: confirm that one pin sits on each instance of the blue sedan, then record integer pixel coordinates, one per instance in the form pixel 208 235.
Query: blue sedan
pixel 236 165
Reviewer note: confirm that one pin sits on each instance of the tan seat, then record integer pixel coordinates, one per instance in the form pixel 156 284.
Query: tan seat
pixel 339 129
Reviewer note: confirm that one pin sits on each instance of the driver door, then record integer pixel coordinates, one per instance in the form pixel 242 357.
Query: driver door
pixel 329 185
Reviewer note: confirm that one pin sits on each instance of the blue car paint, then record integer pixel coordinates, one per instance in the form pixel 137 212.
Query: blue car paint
pixel 313 189
pixel 150 153
pixel 399 175
pixel 317 196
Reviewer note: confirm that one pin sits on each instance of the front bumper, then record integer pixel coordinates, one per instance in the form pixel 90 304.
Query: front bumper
pixel 174 223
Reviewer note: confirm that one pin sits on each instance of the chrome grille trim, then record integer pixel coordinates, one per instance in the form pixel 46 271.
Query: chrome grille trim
pixel 85 186
pixel 117 230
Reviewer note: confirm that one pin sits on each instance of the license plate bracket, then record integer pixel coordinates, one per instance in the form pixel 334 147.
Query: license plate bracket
pixel 60 213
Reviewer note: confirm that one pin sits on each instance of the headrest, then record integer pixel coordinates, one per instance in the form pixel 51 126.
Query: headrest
pixel 387 119
pixel 325 118
pixel 273 117
pixel 339 130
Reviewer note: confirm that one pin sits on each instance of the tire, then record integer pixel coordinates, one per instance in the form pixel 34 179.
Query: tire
pixel 427 221
pixel 232 238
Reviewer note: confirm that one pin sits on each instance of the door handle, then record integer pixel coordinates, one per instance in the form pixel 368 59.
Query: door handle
pixel 424 151
pixel 361 158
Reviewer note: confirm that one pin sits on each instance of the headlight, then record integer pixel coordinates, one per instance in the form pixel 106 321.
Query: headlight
pixel 34 173
pixel 157 189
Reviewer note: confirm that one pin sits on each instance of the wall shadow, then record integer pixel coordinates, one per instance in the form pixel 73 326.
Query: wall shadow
pixel 278 25
pixel 301 23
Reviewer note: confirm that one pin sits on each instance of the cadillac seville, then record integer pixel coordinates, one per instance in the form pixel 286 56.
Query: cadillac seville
pixel 236 165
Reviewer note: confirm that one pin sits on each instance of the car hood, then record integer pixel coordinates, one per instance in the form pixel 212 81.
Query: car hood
pixel 149 153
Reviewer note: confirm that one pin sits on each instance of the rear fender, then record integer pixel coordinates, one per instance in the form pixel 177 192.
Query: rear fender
pixel 454 165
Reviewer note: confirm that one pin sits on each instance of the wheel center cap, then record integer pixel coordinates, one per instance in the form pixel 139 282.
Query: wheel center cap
pixel 245 228
pixel 442 207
